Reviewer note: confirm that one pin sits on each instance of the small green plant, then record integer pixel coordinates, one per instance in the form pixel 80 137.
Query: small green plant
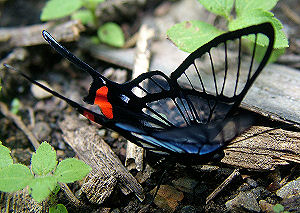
pixel 44 175
pixel 278 208
pixel 190 35
pixel 84 10
pixel 15 106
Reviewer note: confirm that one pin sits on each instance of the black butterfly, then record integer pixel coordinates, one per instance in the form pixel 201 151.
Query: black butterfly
pixel 191 113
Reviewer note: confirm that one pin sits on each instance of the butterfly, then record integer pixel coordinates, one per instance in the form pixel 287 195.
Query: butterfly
pixel 191 113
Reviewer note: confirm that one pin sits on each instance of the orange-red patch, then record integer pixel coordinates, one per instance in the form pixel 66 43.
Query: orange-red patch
pixel 89 115
pixel 102 102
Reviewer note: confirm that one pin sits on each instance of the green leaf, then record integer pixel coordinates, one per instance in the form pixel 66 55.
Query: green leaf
pixel 44 160
pixel 14 177
pixel 95 1
pixel 55 9
pixel 41 187
pixel 190 35
pixel 71 169
pixel 15 106
pixel 254 17
pixel 111 34
pixel 85 16
pixel 219 7
pixel 5 158
pixel 59 208
pixel 278 208
pixel 244 6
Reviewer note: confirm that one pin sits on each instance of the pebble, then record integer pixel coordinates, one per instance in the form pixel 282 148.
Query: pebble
pixel 167 198
pixel 41 130
pixel 251 182
pixel 38 92
pixel 102 132
pixel 188 209
pixel 265 206
pixel 292 204
pixel 246 200
pixel 289 189
pixel 114 135
pixel 185 184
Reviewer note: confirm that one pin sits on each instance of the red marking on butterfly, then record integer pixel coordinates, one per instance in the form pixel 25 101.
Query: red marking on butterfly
pixel 88 115
pixel 103 103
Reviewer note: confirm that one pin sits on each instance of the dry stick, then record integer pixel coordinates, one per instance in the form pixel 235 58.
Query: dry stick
pixel 134 153
pixel 222 185
pixel 17 120
pixel 31 35
pixel 290 14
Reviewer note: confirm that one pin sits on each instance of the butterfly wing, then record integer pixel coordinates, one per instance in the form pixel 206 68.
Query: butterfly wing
pixel 222 86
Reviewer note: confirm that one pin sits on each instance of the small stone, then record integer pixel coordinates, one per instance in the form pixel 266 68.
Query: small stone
pixel 167 197
pixel 114 135
pixel 40 93
pixel 290 189
pixel 291 204
pixel 251 182
pixel 259 192
pixel 244 200
pixel 102 132
pixel 265 206
pixel 244 187
pixel 41 130
pixel 188 209
pixel 185 184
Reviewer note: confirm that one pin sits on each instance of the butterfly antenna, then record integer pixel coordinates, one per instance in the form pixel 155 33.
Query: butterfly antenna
pixel 72 58
pixel 75 105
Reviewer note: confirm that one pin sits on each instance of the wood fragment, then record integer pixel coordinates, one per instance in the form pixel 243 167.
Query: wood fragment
pixel 31 35
pixel 263 148
pixel 290 14
pixel 134 153
pixel 234 174
pixel 90 148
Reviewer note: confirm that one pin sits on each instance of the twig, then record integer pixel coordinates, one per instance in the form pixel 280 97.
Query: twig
pixel 31 35
pixel 290 14
pixel 222 185
pixel 17 120
pixel 134 154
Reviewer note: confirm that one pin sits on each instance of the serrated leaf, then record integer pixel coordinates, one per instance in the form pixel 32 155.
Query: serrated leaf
pixel 44 160
pixel 85 16
pixel 257 17
pixel 260 53
pixel 55 9
pixel 190 35
pixel 59 208
pixel 111 34
pixel 219 7
pixel 14 177
pixel 71 169
pixel 244 6
pixel 5 158
pixel 41 187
